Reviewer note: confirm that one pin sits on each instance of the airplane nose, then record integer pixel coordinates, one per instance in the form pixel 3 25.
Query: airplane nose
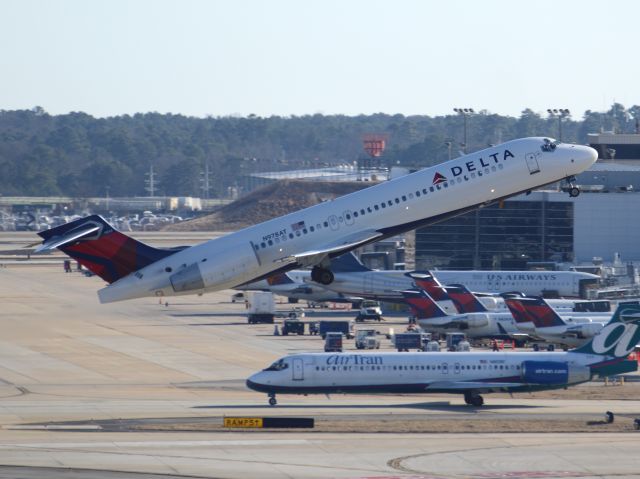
pixel 254 383
pixel 587 156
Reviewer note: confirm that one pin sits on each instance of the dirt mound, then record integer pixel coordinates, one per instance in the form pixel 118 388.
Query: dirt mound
pixel 268 202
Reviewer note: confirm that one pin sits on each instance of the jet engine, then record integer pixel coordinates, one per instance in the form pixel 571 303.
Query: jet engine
pixel 229 268
pixel 588 330
pixel 553 372
pixel 476 321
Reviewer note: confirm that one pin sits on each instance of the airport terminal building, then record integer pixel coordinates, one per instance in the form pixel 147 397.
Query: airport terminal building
pixel 548 226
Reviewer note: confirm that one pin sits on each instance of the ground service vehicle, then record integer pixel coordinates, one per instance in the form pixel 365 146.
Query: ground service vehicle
pixel 344 327
pixel 333 343
pixel 369 310
pixel 367 339
pixel 261 307
pixel 453 339
pixel 407 341
pixel 292 326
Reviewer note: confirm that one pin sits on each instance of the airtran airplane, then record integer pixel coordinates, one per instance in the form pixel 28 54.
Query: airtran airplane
pixel 468 373
pixel 312 236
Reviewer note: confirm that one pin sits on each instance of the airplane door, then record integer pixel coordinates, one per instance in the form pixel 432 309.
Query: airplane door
pixel 333 222
pixel 348 217
pixel 444 368
pixel 456 368
pixel 298 369
pixel 532 163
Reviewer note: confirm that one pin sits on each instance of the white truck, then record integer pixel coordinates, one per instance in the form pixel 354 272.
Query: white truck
pixel 369 310
pixel 261 307
pixel 367 339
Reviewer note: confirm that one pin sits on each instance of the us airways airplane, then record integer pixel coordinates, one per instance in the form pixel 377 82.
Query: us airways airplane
pixel 352 278
pixel 311 237
pixel 467 373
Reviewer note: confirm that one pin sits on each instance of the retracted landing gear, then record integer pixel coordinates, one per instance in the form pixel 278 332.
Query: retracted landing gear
pixel 473 399
pixel 321 275
pixel 573 189
pixel 272 399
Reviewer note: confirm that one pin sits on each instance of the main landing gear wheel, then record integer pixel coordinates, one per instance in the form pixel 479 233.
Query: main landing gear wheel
pixel 272 400
pixel 321 275
pixel 473 399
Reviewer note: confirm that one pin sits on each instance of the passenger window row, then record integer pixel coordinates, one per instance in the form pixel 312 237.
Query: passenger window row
pixel 434 367
pixel 384 204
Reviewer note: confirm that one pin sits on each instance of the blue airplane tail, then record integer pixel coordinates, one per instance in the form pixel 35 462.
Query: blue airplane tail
pixel 347 263
pixel 426 281
pixel 422 305
pixel 619 337
pixel 464 300
pixel 100 248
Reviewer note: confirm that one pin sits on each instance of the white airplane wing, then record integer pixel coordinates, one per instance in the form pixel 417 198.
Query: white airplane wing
pixel 346 243
pixel 472 386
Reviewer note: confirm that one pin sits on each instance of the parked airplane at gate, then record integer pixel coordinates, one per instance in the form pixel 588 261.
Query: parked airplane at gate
pixel 294 287
pixel 468 373
pixel 476 324
pixel 311 237
pixel 535 316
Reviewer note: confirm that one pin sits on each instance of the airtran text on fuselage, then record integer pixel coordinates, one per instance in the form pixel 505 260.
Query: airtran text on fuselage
pixel 353 360
pixel 479 163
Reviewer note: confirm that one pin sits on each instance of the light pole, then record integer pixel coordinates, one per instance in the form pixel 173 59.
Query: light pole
pixel 449 143
pixel 559 113
pixel 465 112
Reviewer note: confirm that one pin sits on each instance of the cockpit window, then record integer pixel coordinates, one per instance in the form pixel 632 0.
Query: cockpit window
pixel 549 144
pixel 279 365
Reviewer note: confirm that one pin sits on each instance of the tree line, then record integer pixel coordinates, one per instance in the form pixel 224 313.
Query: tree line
pixel 78 155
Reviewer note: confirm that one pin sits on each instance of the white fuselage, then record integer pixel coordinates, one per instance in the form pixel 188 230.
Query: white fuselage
pixel 409 372
pixel 490 324
pixel 387 285
pixel 387 208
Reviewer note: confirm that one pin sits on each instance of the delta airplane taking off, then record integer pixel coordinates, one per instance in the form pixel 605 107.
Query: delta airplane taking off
pixel 311 237
pixel 468 373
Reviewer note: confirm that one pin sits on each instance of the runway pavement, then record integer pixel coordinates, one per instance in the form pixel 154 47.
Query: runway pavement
pixel 64 357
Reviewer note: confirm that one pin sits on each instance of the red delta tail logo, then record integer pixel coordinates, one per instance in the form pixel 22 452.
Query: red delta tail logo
pixel 438 178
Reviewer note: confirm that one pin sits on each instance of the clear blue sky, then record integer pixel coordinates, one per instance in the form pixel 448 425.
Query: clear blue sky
pixel 294 57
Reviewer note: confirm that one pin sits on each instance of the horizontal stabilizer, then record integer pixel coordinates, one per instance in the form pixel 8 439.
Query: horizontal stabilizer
pixel 73 235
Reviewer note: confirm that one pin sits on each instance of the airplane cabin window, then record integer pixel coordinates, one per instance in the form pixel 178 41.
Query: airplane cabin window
pixel 376 207
pixel 270 243
pixel 362 212
pixel 383 205
pixel 312 229
pixel 263 244
pixel 326 224
pixel 424 191
pixel 404 198
pixel 355 214
pixel 431 189
pixel 418 193
pixel 390 203
pixel 397 200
